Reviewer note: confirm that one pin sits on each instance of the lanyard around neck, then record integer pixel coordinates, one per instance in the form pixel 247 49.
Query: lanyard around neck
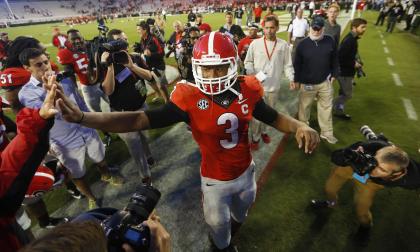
pixel 269 55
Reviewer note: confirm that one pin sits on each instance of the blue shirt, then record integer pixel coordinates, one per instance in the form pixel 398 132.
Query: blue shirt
pixel 63 133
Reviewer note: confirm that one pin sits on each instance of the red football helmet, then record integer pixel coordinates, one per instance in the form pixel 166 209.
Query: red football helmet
pixel 14 77
pixel 214 49
pixel 41 183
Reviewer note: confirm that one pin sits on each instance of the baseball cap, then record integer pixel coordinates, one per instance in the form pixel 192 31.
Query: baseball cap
pixel 3 33
pixel 253 25
pixel 205 27
pixel 317 23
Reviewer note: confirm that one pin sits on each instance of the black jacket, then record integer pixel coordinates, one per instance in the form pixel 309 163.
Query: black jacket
pixel 347 55
pixel 315 60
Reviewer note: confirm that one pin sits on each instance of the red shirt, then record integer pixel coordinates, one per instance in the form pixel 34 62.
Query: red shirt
pixel 221 133
pixel 244 44
pixel 79 61
pixel 258 11
pixel 59 41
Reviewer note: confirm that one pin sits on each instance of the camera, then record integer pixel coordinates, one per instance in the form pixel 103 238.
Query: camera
pixel 116 49
pixel 359 70
pixel 125 226
pixel 363 163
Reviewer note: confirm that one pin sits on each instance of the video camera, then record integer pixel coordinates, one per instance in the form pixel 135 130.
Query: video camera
pixel 363 163
pixel 116 49
pixel 125 226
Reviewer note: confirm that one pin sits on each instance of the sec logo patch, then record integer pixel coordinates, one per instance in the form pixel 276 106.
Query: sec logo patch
pixel 203 104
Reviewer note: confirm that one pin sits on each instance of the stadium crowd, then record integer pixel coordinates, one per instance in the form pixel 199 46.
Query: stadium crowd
pixel 234 73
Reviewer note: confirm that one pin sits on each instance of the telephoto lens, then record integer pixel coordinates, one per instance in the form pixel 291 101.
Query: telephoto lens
pixel 368 133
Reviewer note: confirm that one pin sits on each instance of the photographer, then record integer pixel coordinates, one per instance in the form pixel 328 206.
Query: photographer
pixel 19 162
pixel 153 52
pixel 184 43
pixel 349 64
pixel 125 87
pixel 372 166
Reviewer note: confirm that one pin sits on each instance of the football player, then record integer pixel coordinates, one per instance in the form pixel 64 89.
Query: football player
pixel 218 108
pixel 75 60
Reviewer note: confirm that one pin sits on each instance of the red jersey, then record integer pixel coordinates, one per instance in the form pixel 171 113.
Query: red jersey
pixel 59 41
pixel 243 46
pixel 14 77
pixel 79 61
pixel 258 11
pixel 221 133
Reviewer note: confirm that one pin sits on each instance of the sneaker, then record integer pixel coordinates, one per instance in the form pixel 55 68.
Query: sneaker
pixel 254 145
pixel 114 179
pixel 329 138
pixel 146 181
pixel 340 114
pixel 75 193
pixel 321 204
pixel 53 222
pixel 266 138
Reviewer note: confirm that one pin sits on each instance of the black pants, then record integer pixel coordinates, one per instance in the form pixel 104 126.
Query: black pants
pixel 381 19
pixel 408 20
pixel 391 24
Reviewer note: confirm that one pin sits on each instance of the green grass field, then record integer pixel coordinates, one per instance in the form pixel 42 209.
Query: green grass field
pixel 280 219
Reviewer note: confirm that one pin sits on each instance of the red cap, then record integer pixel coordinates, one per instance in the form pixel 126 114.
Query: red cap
pixel 41 182
pixel 14 77
pixel 205 27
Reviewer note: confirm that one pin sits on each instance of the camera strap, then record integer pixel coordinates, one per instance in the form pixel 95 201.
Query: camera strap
pixel 362 179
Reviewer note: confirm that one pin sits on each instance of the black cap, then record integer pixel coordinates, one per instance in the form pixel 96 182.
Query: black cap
pixel 317 23
pixel 253 25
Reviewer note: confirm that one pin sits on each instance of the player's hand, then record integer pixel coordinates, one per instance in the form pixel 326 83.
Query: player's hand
pixel 308 137
pixel 104 57
pixel 48 110
pixel 294 85
pixel 161 240
pixel 69 110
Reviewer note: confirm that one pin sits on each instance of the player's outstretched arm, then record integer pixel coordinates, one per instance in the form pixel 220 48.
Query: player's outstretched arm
pixel 305 135
pixel 116 122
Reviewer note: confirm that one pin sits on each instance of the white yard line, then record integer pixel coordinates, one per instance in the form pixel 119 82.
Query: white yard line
pixel 390 61
pixel 397 80
pixel 383 42
pixel 409 109
pixel 386 50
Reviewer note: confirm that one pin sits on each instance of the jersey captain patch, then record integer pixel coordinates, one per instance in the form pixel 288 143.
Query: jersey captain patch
pixel 203 104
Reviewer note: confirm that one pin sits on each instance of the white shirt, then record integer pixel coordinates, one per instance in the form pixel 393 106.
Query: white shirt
pixel 281 61
pixel 299 27
pixel 312 5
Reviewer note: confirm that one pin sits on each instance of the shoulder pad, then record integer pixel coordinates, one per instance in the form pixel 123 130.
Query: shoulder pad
pixel 14 77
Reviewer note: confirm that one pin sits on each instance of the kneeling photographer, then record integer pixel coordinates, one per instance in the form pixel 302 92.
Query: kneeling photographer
pixel 372 166
pixel 124 85
pixel 134 229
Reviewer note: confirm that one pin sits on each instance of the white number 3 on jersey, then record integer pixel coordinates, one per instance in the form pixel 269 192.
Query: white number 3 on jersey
pixel 233 130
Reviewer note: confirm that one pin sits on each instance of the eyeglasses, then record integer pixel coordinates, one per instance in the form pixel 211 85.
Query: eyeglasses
pixel 316 28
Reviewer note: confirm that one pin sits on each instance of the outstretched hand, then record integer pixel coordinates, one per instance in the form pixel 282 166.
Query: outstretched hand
pixel 308 137
pixel 48 109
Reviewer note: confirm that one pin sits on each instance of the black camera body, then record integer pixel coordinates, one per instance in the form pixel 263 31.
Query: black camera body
pixel 125 226
pixel 117 48
pixel 362 163
pixel 359 70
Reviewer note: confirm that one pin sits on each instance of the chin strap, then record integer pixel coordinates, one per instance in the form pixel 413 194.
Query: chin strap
pixel 240 96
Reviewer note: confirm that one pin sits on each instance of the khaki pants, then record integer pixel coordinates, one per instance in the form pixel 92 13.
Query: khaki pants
pixel 324 92
pixel 363 193
pixel 257 127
